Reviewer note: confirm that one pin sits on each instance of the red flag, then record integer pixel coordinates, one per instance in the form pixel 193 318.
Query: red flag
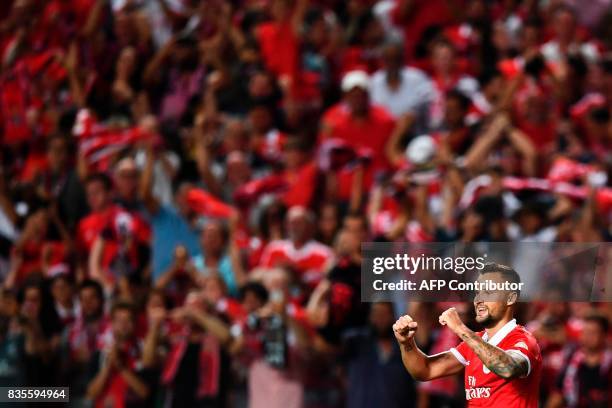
pixel 564 169
pixel 583 106
pixel 249 192
pixel 206 204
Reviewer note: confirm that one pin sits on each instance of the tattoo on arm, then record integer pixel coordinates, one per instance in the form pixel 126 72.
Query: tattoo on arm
pixel 495 359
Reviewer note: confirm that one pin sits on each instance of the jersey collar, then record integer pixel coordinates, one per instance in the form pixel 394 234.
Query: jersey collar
pixel 501 333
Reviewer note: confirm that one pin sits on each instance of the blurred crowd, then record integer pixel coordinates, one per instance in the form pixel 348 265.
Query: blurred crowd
pixel 185 186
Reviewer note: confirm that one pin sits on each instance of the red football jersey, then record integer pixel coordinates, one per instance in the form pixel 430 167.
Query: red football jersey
pixel 486 389
pixel 311 260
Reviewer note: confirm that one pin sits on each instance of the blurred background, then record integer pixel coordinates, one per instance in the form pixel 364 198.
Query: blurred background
pixel 185 186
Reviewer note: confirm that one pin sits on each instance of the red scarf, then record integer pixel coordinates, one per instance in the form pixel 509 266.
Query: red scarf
pixel 206 204
pixel 80 335
pixel 210 364
pixel 116 389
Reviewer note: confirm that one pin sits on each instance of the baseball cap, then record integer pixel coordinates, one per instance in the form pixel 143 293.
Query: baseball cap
pixel 355 79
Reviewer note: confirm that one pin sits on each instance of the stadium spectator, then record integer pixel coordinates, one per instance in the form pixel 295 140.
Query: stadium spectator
pixel 308 258
pixel 374 372
pixel 238 153
pixel 115 376
pixel 585 380
pixel 81 338
pixel 194 367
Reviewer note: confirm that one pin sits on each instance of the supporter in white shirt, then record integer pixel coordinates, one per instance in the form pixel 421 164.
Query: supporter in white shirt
pixel 402 89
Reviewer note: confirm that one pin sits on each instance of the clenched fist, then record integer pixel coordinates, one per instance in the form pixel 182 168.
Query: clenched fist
pixel 404 329
pixel 450 318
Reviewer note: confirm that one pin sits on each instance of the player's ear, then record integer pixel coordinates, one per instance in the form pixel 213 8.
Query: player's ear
pixel 512 298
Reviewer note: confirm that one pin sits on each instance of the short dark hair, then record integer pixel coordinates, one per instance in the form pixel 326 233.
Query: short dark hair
pixel 168 304
pixel 62 276
pixel 601 115
pixel 488 75
pixel 8 293
pixel 122 305
pixel 442 41
pixel 600 320
pixel 509 274
pixel 92 284
pixel 101 178
pixel 464 101
pixel 256 289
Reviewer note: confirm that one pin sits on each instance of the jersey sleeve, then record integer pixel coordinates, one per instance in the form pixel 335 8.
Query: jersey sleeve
pixel 461 353
pixel 524 345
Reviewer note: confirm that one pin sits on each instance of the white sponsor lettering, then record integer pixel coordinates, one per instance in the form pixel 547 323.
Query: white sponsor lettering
pixel 478 392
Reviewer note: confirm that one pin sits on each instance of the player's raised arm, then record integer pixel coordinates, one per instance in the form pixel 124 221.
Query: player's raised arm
pixel 506 364
pixel 421 366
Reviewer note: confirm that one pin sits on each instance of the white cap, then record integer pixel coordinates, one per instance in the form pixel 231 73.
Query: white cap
pixel 421 149
pixel 353 79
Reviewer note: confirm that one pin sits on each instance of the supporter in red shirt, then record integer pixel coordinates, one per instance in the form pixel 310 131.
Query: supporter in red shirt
pixel 116 377
pixel 358 122
pixel 105 229
pixel 98 189
pixel 42 244
pixel 537 119
pixel 120 252
pixel 295 184
pixel 309 258
pixel 362 125
pixel 279 39
pixel 300 174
